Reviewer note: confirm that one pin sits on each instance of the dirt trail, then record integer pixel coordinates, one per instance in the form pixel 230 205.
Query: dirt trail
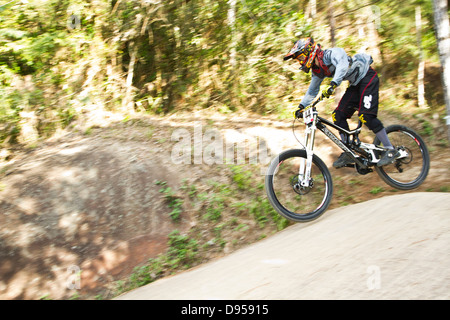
pixel 89 203
pixel 390 248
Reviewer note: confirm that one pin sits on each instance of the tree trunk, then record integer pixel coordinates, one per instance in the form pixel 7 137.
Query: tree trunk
pixel 443 39
pixel 313 8
pixel 373 24
pixel 232 25
pixel 421 70
pixel 331 21
pixel 128 102
pixel 233 79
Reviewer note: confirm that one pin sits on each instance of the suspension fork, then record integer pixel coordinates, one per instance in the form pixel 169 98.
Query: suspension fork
pixel 304 174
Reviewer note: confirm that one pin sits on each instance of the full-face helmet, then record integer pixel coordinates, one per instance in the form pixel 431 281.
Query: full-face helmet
pixel 304 51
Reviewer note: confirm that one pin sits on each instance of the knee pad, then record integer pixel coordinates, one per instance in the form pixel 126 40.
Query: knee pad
pixel 340 119
pixel 371 121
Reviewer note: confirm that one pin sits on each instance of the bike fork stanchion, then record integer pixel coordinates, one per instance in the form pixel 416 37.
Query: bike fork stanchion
pixel 304 175
pixel 303 170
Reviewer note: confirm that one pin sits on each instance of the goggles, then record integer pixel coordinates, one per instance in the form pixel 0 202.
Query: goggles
pixel 301 57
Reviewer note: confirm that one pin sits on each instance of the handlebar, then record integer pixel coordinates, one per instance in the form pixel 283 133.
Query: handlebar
pixel 317 101
pixel 321 98
pixel 313 104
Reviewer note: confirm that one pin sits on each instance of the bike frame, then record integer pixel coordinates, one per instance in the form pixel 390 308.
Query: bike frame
pixel 356 148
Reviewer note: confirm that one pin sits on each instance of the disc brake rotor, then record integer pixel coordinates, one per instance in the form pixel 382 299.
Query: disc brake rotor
pixel 408 158
pixel 298 188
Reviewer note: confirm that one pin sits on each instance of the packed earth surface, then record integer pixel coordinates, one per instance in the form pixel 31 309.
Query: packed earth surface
pixel 80 211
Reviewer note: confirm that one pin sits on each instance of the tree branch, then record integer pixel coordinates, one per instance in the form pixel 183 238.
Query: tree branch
pixel 359 24
pixel 363 6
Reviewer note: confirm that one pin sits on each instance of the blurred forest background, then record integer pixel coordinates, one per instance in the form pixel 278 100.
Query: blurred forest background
pixel 61 60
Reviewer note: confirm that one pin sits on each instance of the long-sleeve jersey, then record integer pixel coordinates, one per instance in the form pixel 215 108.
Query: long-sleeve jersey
pixel 342 67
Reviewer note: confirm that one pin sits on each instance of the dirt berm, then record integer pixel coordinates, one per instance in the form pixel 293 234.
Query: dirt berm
pixel 81 211
pixel 396 247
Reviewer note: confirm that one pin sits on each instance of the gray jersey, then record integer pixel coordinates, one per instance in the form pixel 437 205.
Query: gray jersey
pixel 342 68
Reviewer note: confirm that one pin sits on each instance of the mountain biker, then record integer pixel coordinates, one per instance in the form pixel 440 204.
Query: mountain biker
pixel 361 94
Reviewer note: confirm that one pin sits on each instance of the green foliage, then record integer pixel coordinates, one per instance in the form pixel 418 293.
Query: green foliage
pixel 191 190
pixel 242 177
pixel 173 201
pixel 376 190
pixel 214 205
pixel 182 54
pixel 263 212
pixel 182 250
pixel 398 30
pixel 182 253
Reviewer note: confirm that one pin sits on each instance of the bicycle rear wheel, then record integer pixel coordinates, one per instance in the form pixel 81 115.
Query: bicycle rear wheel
pixel 296 203
pixel 409 172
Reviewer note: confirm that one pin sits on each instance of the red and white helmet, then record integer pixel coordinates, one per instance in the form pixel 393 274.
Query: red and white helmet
pixel 304 51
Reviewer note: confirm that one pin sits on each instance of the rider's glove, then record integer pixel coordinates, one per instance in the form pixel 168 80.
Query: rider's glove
pixel 328 92
pixel 299 112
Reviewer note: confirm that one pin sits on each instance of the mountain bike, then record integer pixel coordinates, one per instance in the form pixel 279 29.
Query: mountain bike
pixel 299 185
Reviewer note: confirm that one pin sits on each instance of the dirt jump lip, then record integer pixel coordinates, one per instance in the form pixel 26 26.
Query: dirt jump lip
pixel 396 247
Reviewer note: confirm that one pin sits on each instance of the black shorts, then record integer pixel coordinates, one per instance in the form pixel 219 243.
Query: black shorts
pixel 362 97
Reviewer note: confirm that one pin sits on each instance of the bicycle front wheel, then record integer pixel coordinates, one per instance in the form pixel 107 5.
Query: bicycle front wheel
pixel 408 172
pixel 288 197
